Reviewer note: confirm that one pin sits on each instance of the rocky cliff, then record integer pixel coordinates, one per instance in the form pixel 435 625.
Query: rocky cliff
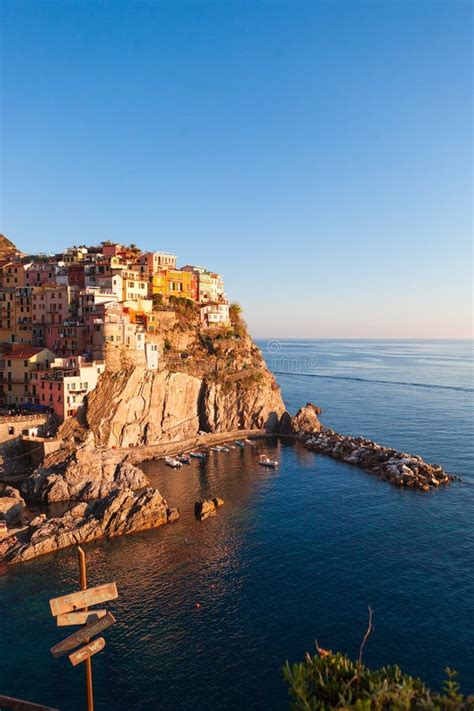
pixel 218 383
pixel 207 381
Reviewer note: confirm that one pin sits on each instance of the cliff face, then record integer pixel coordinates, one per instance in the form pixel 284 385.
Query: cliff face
pixel 220 386
pixel 206 382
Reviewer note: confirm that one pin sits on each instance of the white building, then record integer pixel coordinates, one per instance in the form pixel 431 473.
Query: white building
pixel 215 314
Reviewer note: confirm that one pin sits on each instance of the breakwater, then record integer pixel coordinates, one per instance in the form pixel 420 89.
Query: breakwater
pixel 398 468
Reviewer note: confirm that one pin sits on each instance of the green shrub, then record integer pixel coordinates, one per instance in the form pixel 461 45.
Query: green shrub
pixel 333 681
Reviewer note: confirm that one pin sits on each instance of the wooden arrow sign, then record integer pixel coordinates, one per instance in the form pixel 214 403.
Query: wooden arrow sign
pixel 84 598
pixel 83 635
pixel 78 618
pixel 80 655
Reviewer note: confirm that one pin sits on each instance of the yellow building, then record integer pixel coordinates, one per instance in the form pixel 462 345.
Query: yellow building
pixel 16 368
pixel 174 282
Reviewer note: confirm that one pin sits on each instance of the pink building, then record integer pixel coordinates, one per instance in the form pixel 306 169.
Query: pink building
pixel 64 386
pixel 66 339
pixel 38 274
pixel 111 250
pixel 52 303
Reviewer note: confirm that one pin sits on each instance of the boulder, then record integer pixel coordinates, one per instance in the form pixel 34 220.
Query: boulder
pixel 12 506
pixel 306 419
pixel 118 513
pixel 207 508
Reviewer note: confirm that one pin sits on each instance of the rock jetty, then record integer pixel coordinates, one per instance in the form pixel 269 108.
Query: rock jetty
pixel 119 513
pixel 399 468
pixel 207 508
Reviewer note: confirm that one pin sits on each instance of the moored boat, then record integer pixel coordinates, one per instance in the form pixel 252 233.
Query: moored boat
pixel 183 458
pixel 197 455
pixel 172 462
pixel 249 441
pixel 265 461
pixel 239 443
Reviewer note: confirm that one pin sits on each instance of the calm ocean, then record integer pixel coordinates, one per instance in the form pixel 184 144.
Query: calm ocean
pixel 293 555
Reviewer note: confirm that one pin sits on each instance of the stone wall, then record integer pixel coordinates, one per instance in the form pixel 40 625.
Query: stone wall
pixel 12 428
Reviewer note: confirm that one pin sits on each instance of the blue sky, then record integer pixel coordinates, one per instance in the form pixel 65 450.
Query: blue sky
pixel 318 154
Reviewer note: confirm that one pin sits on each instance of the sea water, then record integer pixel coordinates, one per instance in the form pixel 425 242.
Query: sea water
pixel 209 612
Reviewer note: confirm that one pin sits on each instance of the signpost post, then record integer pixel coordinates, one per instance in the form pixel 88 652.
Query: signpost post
pixel 83 582
pixel 73 609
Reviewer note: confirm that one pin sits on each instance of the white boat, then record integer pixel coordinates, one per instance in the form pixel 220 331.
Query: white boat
pixel 265 461
pixel 174 463
pixel 239 443
pixel 249 441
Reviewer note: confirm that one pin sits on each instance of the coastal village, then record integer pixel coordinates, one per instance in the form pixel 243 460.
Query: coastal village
pixel 111 356
pixel 62 315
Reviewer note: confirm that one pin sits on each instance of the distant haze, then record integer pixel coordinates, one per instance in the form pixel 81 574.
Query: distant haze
pixel 317 154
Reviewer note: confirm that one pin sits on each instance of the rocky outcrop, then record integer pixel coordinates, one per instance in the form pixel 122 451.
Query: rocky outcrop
pixel 7 249
pixel 12 506
pixel 83 474
pixel 307 419
pixel 400 469
pixel 119 513
pixel 219 383
pixel 207 508
pixel 147 407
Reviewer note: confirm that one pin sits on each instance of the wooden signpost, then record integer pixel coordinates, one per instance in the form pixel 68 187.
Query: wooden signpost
pixel 81 600
pixel 82 635
pixel 73 609
pixel 78 618
pixel 86 652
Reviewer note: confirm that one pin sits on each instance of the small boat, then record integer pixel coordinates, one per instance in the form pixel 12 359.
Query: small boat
pixel 172 462
pixel 183 458
pixel 215 449
pixel 225 449
pixel 197 455
pixel 239 443
pixel 265 461
pixel 249 441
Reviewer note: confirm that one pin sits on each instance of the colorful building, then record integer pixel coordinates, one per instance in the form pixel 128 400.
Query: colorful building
pixel 53 303
pixel 210 286
pixel 64 386
pixel 155 261
pixel 14 274
pixel 174 282
pixel 16 368
pixel 215 314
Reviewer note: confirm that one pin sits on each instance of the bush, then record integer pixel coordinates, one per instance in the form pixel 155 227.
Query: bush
pixel 167 345
pixel 329 681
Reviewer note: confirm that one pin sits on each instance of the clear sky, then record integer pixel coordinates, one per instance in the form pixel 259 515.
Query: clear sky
pixel 318 154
